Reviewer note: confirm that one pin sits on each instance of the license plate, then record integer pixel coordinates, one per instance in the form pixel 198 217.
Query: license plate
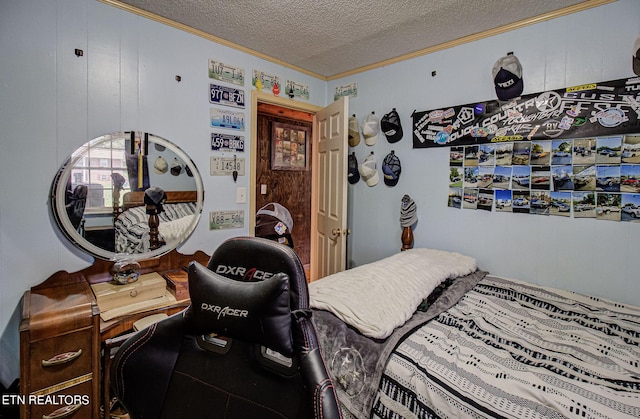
pixel 226 72
pixel 225 166
pixel 221 118
pixel 221 220
pixel 226 142
pixel 228 96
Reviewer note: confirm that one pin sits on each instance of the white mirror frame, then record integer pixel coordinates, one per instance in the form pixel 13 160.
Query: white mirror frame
pixel 58 195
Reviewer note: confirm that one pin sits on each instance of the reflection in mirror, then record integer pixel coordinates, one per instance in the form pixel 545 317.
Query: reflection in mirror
pixel 129 193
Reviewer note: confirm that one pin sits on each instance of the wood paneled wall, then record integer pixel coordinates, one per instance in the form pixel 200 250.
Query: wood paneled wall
pixel 290 188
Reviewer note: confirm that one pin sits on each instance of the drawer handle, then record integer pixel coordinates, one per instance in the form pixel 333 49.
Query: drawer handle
pixel 62 358
pixel 133 293
pixel 63 412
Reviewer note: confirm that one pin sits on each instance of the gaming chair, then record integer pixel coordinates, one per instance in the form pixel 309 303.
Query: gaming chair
pixel 244 348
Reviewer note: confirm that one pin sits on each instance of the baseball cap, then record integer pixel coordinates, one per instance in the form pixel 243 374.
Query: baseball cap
pixel 636 56
pixel 176 167
pixel 507 77
pixel 369 170
pixel 371 129
pixel 280 212
pixel 391 169
pixel 391 126
pixel 160 166
pixel 353 176
pixel 354 131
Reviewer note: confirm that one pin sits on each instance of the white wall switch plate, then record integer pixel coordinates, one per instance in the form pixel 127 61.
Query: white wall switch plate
pixel 241 195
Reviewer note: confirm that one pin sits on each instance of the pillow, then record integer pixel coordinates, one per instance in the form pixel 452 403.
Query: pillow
pixel 256 312
pixel 380 296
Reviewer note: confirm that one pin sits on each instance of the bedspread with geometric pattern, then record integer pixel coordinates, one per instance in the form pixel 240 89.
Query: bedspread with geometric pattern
pixel 515 350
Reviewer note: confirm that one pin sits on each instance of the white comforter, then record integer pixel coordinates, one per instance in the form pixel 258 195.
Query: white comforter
pixel 378 297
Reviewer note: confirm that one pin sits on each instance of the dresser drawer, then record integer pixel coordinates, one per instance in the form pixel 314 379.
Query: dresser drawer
pixel 60 358
pixel 77 399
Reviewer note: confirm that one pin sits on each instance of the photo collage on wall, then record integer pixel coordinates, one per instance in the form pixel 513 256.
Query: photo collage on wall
pixel 584 178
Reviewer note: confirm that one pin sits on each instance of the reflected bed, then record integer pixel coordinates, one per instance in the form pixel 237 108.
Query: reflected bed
pixel 132 233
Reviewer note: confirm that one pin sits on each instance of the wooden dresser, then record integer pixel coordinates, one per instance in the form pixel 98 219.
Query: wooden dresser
pixel 62 336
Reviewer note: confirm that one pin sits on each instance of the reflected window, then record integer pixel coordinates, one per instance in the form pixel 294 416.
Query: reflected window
pixel 96 163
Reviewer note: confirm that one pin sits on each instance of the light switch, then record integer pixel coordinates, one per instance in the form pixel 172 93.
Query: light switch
pixel 241 195
pixel 263 189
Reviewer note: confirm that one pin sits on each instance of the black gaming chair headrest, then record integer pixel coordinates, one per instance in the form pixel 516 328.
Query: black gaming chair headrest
pixel 248 291
pixel 256 312
pixel 255 259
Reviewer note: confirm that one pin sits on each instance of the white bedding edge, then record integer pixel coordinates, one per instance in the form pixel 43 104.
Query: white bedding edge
pixel 378 297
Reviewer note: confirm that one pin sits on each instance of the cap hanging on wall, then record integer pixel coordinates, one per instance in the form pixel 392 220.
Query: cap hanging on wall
pixel 507 77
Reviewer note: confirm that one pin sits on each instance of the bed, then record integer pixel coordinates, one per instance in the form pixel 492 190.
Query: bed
pixel 425 333
pixel 133 233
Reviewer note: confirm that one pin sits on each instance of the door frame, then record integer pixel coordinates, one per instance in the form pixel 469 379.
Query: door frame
pixel 262 97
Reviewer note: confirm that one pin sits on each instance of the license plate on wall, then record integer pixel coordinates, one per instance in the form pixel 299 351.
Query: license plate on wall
pixel 225 166
pixel 222 220
pixel 228 96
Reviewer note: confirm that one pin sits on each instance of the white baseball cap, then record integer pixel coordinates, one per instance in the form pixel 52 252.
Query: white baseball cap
pixel 371 128
pixel 369 170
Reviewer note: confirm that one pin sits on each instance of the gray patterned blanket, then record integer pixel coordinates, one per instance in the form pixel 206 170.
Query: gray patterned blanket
pixel 506 349
pixel 514 350
pixel 356 362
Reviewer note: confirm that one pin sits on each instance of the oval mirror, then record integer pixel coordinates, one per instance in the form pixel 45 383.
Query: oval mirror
pixel 127 193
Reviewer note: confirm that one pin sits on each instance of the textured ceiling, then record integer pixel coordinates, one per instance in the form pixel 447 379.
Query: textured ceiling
pixel 329 38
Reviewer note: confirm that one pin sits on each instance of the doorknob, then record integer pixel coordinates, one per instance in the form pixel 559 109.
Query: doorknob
pixel 336 232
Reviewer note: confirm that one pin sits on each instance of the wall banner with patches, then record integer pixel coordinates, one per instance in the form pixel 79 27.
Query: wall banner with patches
pixel 590 110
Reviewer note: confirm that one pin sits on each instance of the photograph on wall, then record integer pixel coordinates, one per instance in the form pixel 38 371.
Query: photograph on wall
pixel 455 177
pixel 502 177
pixel 561 178
pixel 455 198
pixel 520 201
pixel 471 177
pixel 470 200
pixel 560 204
pixel 539 203
pixel 609 150
pixel 561 152
pixel 485 199
pixel 630 178
pixel 521 153
pixel 471 155
pixel 456 155
pixel 584 151
pixel 540 153
pixel 608 206
pixel 520 179
pixel 631 149
pixel 630 208
pixel 608 178
pixel 504 154
pixel 486 155
pixel 541 177
pixel 584 178
pixel 584 204
pixel 289 147
pixel 503 200
pixel 485 177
